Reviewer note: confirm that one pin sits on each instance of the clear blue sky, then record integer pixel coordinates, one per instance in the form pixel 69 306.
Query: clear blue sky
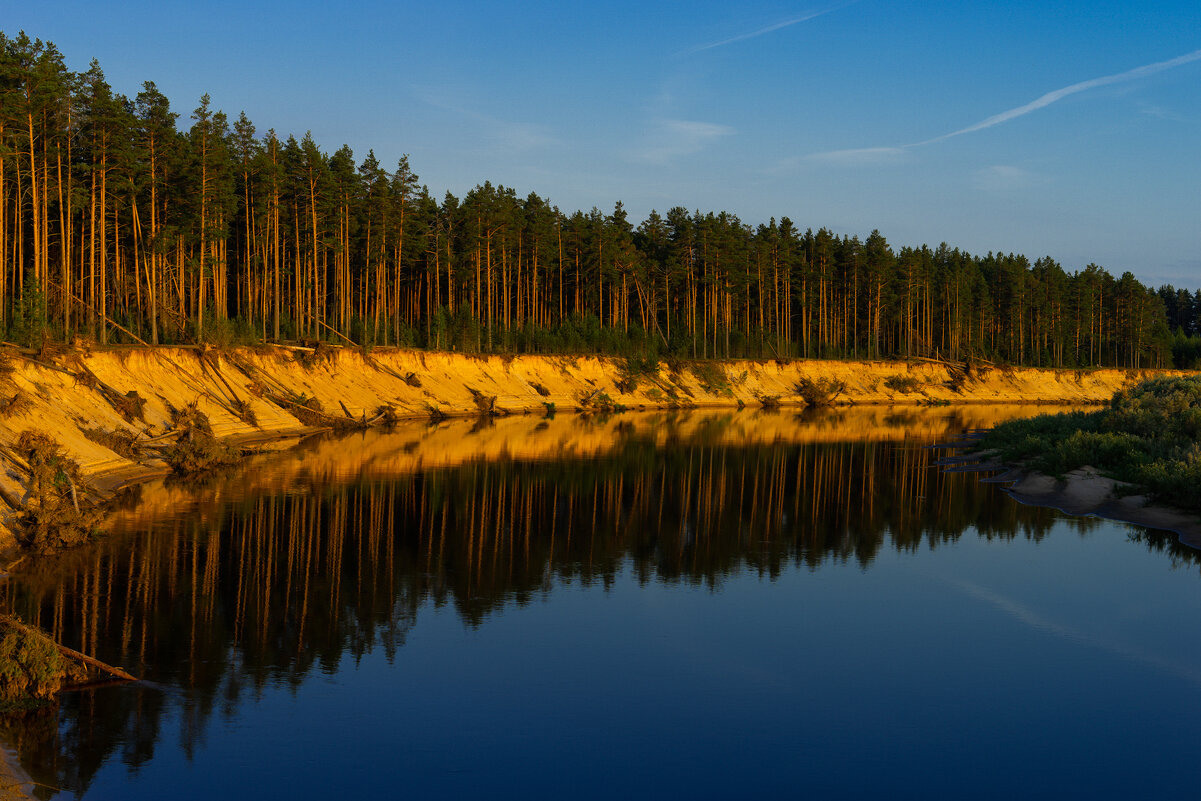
pixel 1068 129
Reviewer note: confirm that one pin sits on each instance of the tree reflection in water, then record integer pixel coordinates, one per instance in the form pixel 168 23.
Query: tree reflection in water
pixel 211 610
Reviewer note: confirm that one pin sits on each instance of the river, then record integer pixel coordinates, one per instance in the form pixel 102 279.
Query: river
pixel 686 604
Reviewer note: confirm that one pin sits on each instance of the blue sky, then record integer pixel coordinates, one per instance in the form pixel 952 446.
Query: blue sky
pixel 1066 129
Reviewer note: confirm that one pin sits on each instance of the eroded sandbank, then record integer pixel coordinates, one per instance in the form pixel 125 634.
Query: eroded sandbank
pixel 261 394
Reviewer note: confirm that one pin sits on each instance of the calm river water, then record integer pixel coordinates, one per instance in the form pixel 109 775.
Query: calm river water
pixel 700 605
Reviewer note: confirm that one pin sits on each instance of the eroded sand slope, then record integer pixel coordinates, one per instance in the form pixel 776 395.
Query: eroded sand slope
pixel 81 391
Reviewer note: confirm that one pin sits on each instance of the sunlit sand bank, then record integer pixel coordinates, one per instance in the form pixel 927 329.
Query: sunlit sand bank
pixel 78 392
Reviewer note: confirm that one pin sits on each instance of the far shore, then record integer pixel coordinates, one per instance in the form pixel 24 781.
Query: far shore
pixel 87 399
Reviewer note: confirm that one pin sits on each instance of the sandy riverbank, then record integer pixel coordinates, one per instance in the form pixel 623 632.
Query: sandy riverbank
pixel 254 394
pixel 1083 492
pixel 1087 492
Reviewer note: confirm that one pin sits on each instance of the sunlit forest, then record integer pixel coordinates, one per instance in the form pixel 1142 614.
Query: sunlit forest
pixel 124 220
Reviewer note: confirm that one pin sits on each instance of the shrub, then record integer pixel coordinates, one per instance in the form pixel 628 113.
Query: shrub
pixel 19 403
pixel 636 367
pixel 196 449
pixel 486 404
pixel 245 411
pixel 1148 436
pixel 903 383
pixel 641 364
pixel 131 406
pixel 120 441
pixel 30 665
pixel 768 401
pixel 56 513
pixel 822 392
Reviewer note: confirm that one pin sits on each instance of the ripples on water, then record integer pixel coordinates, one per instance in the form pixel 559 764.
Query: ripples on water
pixel 649 605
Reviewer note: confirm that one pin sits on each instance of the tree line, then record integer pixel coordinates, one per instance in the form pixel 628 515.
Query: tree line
pixel 121 222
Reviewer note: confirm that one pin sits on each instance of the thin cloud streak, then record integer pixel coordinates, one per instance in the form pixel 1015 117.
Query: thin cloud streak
pixel 857 156
pixel 867 154
pixel 510 136
pixel 742 37
pixel 1059 94
pixel 671 139
pixel 1005 178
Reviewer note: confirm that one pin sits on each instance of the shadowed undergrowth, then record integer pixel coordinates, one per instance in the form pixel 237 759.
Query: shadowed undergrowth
pixel 56 512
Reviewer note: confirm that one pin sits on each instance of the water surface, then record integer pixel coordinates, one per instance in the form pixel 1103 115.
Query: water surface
pixel 675 605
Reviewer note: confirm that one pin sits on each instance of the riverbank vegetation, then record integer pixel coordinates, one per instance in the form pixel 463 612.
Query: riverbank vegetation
pixel 1148 437
pixel 120 222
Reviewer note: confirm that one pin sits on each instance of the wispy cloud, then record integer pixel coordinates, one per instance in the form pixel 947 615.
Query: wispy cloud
pixel 1060 94
pixel 858 156
pixel 508 135
pixel 871 155
pixel 742 37
pixel 1159 112
pixel 671 139
pixel 1006 178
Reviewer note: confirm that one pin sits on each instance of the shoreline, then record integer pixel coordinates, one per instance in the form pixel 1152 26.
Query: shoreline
pixel 1086 493
pixel 268 396
pixel 1083 492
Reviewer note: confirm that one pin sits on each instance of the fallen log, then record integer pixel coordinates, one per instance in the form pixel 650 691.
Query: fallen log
pixel 70 653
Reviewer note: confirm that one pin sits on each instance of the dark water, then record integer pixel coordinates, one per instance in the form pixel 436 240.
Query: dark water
pixel 695 615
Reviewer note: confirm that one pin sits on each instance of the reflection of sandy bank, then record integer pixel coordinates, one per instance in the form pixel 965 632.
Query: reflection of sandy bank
pixel 414 446
pixel 1087 492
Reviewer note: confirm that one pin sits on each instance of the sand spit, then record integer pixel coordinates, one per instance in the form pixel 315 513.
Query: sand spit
pixel 1084 492
pixel 1087 492
pixel 267 394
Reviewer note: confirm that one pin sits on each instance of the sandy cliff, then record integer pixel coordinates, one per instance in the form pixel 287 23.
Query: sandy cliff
pixel 266 393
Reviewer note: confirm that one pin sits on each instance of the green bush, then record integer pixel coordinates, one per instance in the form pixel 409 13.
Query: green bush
pixel 1148 436
pixel 30 666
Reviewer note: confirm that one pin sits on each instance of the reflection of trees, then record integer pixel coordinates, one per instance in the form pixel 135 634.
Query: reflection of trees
pixel 1166 542
pixel 285 583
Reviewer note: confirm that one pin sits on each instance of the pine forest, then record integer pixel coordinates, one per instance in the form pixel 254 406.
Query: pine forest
pixel 123 220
